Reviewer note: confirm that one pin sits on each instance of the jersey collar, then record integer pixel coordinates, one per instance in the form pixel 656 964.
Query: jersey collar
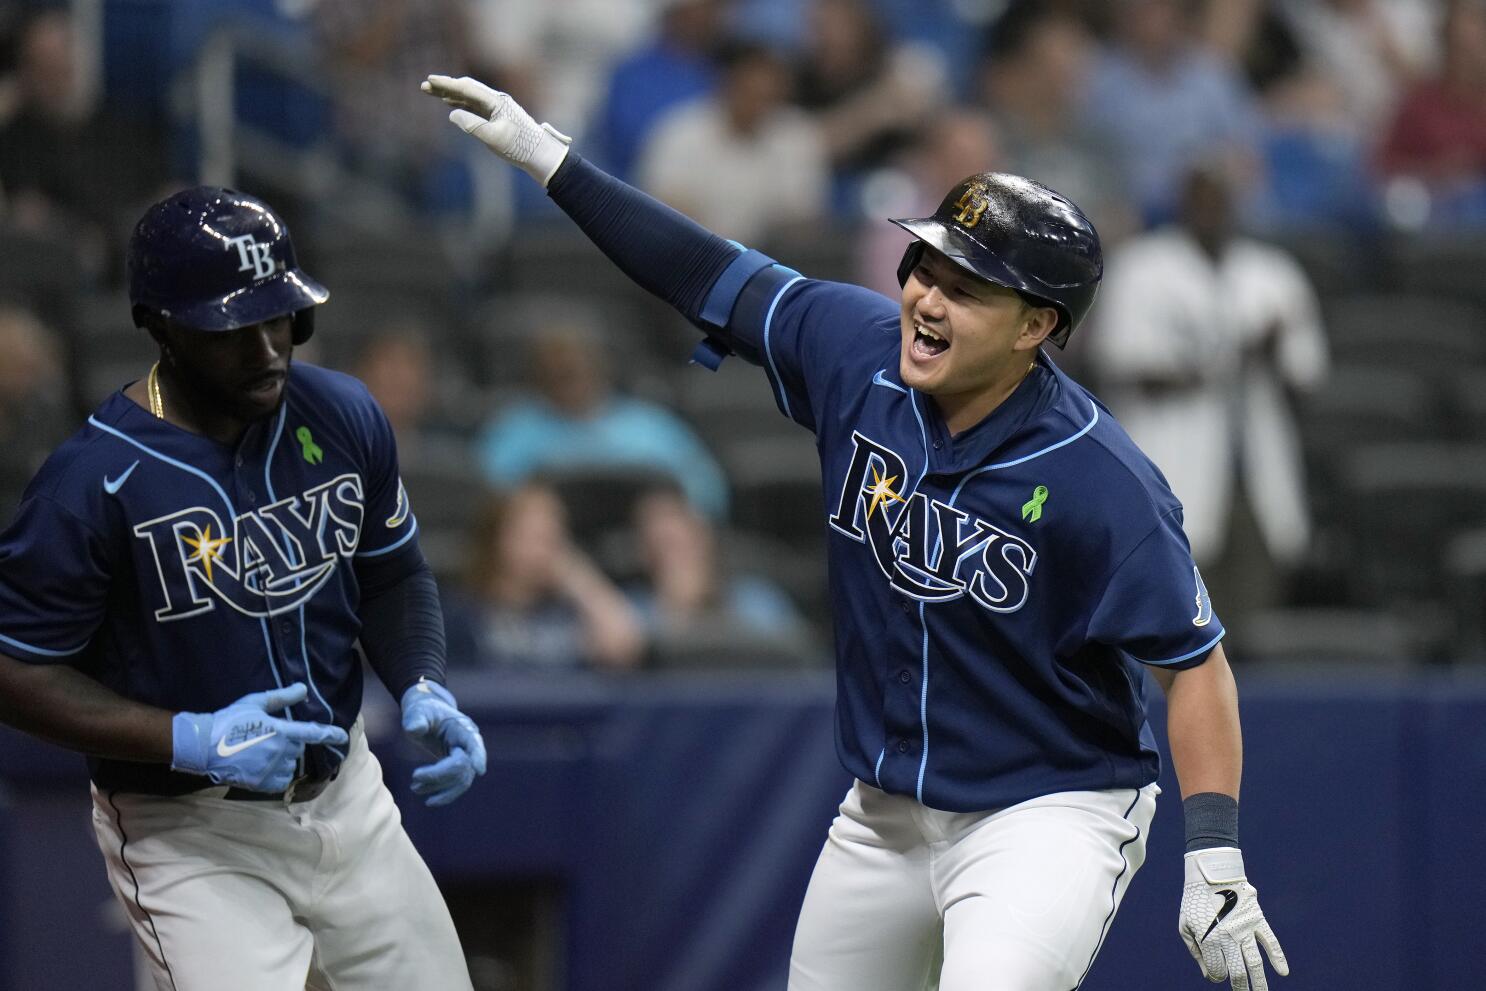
pixel 997 436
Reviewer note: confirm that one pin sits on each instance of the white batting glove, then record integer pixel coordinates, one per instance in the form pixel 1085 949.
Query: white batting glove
pixel 502 124
pixel 1222 924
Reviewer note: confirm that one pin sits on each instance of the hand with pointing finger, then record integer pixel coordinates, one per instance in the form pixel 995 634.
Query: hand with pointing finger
pixel 243 745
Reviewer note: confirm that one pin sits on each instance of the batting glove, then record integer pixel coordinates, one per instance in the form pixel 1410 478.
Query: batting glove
pixel 500 122
pixel 1222 924
pixel 432 719
pixel 243 746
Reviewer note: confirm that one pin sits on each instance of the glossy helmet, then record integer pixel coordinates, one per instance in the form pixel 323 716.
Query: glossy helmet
pixel 216 259
pixel 1019 234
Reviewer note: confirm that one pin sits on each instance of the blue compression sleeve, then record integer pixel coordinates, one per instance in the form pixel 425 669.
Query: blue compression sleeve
pixel 664 252
pixel 402 631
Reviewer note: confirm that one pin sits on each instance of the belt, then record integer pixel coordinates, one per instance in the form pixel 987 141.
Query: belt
pixel 301 790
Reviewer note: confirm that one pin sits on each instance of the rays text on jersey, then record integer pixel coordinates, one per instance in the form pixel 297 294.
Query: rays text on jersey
pixel 275 558
pixel 930 550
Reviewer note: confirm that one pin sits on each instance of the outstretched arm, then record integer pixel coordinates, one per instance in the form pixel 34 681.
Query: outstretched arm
pixel 1220 919
pixel 664 252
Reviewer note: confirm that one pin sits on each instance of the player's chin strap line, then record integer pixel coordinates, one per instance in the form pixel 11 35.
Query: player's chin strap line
pixel 1211 820
pixel 666 253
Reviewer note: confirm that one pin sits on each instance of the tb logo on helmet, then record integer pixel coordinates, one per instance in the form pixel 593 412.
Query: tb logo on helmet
pixel 971 207
pixel 253 255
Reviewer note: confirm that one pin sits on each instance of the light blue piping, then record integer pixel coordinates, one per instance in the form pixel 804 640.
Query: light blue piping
pixel 1190 654
pixel 304 654
pixel 769 354
pixel 42 650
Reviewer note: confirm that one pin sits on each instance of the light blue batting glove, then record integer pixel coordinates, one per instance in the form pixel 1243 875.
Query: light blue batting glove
pixel 243 746
pixel 431 718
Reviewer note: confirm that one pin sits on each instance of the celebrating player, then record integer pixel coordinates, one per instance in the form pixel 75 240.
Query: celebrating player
pixel 181 594
pixel 1004 563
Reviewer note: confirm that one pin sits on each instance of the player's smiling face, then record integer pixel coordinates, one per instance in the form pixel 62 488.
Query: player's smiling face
pixel 966 342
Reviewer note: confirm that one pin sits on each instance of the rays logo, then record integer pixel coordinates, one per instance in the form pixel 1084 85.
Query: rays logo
pixel 928 549
pixel 265 562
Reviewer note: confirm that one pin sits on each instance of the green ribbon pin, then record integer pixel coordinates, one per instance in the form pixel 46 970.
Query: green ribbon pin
pixel 309 448
pixel 1032 508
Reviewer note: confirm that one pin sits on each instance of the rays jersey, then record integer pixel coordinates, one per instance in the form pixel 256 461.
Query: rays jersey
pixel 185 573
pixel 995 593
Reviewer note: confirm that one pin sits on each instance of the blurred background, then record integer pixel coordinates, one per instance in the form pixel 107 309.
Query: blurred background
pixel 1292 198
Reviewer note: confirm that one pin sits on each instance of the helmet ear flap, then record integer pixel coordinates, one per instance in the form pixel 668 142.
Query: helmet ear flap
pixel 304 325
pixel 910 262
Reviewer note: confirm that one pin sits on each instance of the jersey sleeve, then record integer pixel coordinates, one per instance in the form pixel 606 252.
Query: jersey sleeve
pixel 805 332
pixel 54 580
pixel 1155 608
pixel 390 535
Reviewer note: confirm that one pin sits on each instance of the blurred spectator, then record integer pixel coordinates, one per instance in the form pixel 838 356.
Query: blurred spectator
pixel 1201 336
pixel 397 365
pixel 377 51
pixel 868 96
pixel 955 142
pixel 1164 101
pixel 34 417
pixel 742 161
pixel 1366 51
pixel 686 589
pixel 67 169
pixel 554 57
pixel 1315 159
pixel 532 599
pixel 573 419
pixel 1034 72
pixel 673 69
pixel 1439 132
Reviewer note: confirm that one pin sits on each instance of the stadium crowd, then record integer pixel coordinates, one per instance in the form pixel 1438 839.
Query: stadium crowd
pixel 1292 197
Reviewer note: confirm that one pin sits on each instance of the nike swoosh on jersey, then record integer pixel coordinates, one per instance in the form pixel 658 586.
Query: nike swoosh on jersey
pixel 112 485
pixel 879 379
pixel 1229 900
pixel 223 750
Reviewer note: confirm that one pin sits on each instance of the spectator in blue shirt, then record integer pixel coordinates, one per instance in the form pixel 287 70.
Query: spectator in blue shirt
pixel 574 420
pixel 1165 101
pixel 675 68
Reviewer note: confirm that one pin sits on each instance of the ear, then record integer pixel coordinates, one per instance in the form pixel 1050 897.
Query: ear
pixel 147 319
pixel 1039 322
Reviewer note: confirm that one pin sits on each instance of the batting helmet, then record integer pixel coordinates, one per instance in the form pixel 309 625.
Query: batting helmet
pixel 1019 234
pixel 217 259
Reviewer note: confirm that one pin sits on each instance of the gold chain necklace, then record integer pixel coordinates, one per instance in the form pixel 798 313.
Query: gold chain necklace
pixel 157 404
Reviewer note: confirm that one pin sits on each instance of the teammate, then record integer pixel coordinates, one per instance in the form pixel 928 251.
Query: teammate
pixel 181 595
pixel 1003 564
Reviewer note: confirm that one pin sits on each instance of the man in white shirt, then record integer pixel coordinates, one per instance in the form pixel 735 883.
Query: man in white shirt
pixel 1202 337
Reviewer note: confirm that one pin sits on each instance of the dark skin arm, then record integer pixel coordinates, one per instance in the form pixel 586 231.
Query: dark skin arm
pixel 62 705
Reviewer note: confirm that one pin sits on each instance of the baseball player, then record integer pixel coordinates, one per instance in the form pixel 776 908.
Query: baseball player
pixel 181 596
pixel 1004 564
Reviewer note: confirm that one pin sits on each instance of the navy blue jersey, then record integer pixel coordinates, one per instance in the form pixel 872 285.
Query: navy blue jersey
pixel 995 593
pixel 185 573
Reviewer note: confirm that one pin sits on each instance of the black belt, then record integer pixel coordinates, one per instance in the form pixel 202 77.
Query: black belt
pixel 302 790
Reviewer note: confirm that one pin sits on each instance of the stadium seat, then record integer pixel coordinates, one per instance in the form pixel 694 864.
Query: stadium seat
pixel 1403 501
pixel 1430 333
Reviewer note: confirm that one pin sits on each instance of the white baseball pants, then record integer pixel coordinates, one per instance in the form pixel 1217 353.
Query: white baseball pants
pixel 1017 899
pixel 259 896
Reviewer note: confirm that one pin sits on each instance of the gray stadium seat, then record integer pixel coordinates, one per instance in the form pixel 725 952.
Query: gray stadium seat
pixel 1403 501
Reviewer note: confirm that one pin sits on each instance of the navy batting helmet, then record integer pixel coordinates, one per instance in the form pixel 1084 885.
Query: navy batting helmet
pixel 217 259
pixel 1019 234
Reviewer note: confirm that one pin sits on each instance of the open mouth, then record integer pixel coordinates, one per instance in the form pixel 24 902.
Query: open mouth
pixel 927 343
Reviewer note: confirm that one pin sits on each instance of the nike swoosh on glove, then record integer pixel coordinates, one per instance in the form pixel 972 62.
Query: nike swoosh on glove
pixel 431 718
pixel 1222 924
pixel 243 746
